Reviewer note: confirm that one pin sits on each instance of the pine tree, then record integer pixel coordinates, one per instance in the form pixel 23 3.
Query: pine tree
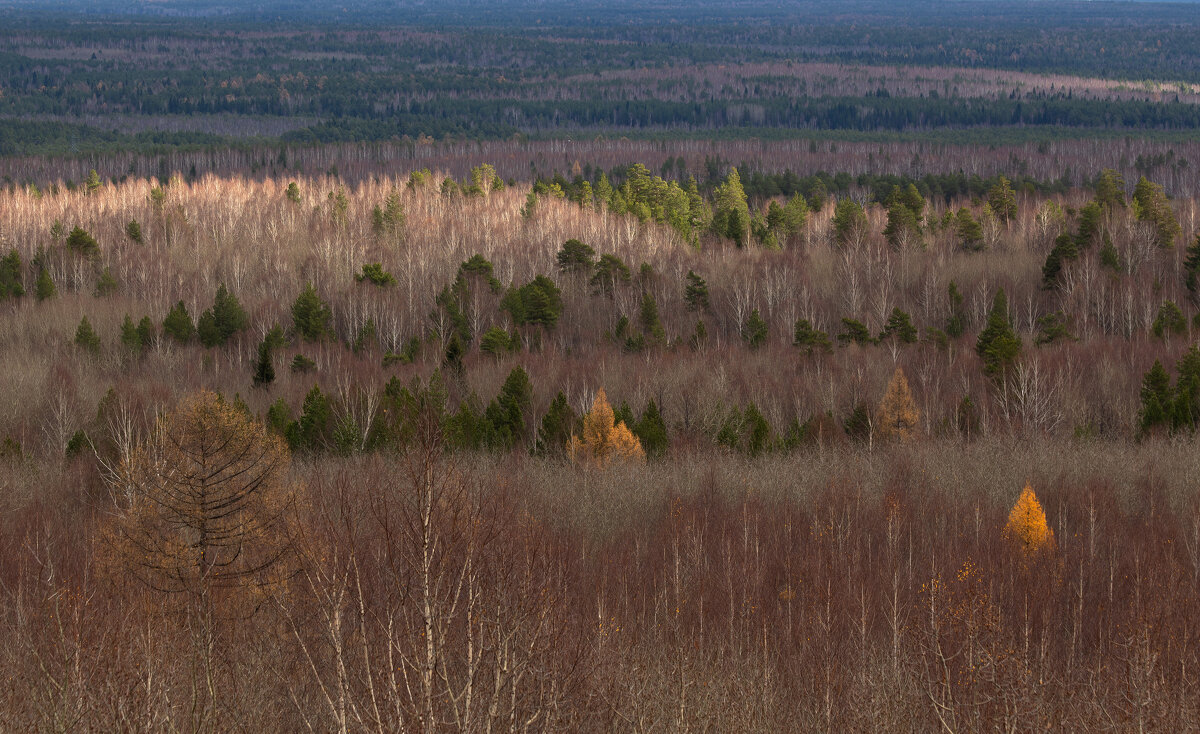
pixel 755 330
pixel 1027 524
pixel 557 427
pixel 311 315
pixel 1003 200
pixel 1156 399
pixel 44 287
pixel 1191 268
pixel 576 257
pixel 967 229
pixel 1169 321
pixel 956 322
pixel 82 243
pixel 86 338
pixel 506 413
pixel 129 336
pixel 311 431
pixel 1110 190
pixel 1150 205
pixel 264 368
pixel 695 293
pixel 849 222
pixel 899 325
pixel 106 284
pixel 897 414
pixel 810 339
pixel 652 431
pixel 10 276
pixel 731 214
pixel 998 345
pixel 226 318
pixel 648 317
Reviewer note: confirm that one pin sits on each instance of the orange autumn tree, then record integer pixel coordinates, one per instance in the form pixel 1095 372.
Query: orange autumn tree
pixel 209 501
pixel 1027 524
pixel 603 438
pixel 897 414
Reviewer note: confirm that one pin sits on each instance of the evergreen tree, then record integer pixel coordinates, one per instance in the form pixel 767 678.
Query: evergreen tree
pixel 854 332
pixel 956 322
pixel 1003 200
pixel 1169 321
pixel 506 413
pixel 44 287
pixel 311 431
pixel 106 284
pixel 1150 205
pixel 731 214
pixel 1064 251
pixel 1191 268
pixel 264 368
pixel 899 325
pixel 218 324
pixel 495 341
pixel 82 243
pixel 1091 225
pixel 576 257
pixel 810 339
pixel 311 315
pixel 86 338
pixel 755 330
pixel 1156 398
pixel 557 427
pixel 1110 190
pixel 902 227
pixel 10 276
pixel 648 318
pixel 695 293
pixel 652 431
pixel 968 231
pixel 849 222
pixel 609 271
pixel 133 231
pixel 178 324
pixel 374 274
pixel 998 345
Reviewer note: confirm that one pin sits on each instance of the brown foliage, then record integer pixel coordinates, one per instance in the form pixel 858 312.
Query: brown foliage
pixel 603 439
pixel 208 501
pixel 897 414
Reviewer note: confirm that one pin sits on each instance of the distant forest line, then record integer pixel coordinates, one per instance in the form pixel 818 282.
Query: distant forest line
pixel 114 79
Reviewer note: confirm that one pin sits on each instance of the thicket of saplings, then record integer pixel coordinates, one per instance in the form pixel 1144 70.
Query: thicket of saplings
pixel 461 455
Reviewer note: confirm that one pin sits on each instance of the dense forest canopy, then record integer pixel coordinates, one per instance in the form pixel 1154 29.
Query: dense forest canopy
pixel 150 75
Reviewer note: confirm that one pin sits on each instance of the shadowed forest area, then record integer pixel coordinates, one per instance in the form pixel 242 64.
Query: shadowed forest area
pixel 733 420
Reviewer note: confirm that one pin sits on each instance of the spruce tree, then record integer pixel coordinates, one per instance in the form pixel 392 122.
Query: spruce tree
pixel 652 432
pixel 44 288
pixel 998 345
pixel 10 276
pixel 755 330
pixel 311 315
pixel 85 336
pixel 264 368
pixel 557 427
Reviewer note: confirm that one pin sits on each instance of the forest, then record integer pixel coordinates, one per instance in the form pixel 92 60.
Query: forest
pixel 136 76
pixel 740 367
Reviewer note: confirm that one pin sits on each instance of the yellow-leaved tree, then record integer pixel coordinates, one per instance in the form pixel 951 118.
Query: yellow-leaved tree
pixel 1027 524
pixel 897 414
pixel 603 438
